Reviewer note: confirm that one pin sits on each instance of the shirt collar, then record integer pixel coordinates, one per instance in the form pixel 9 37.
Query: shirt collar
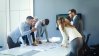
pixel 74 17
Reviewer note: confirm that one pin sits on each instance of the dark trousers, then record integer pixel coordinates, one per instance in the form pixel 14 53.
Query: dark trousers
pixel 75 45
pixel 33 37
pixel 25 40
pixel 11 44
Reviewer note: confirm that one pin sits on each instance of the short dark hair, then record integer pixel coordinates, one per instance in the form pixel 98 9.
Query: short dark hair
pixel 46 21
pixel 29 17
pixel 73 10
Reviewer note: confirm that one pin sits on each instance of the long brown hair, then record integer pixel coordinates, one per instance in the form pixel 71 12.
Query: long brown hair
pixel 64 22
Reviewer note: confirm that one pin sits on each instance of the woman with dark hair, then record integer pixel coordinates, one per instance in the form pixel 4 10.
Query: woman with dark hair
pixel 71 33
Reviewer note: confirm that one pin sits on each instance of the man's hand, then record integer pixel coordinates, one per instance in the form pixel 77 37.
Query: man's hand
pixel 33 29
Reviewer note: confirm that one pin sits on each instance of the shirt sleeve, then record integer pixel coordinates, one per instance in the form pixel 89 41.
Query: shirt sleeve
pixel 37 32
pixel 37 24
pixel 23 31
pixel 64 36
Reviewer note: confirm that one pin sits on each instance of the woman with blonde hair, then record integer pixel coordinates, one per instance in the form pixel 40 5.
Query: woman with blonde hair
pixel 70 35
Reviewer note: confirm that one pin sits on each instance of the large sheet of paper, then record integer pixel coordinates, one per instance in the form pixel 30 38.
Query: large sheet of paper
pixel 29 50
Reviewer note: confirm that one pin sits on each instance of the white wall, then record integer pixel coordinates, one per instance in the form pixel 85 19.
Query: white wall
pixel 3 20
pixel 12 12
pixel 19 10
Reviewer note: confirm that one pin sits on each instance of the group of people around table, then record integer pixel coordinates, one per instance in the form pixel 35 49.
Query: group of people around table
pixel 32 30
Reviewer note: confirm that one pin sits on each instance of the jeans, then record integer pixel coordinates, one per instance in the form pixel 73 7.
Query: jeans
pixel 75 45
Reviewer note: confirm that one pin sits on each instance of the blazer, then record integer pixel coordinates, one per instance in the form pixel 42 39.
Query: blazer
pixel 77 22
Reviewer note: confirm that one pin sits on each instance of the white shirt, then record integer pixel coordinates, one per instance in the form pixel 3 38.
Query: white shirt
pixel 72 33
pixel 64 36
pixel 73 20
pixel 40 29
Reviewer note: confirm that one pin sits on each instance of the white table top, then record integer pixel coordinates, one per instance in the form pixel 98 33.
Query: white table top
pixel 45 49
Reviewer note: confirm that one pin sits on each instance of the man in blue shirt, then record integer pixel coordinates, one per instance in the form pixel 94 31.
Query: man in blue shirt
pixel 41 27
pixel 22 30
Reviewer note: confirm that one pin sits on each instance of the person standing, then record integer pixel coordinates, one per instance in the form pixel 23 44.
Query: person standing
pixel 76 20
pixel 75 38
pixel 22 30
